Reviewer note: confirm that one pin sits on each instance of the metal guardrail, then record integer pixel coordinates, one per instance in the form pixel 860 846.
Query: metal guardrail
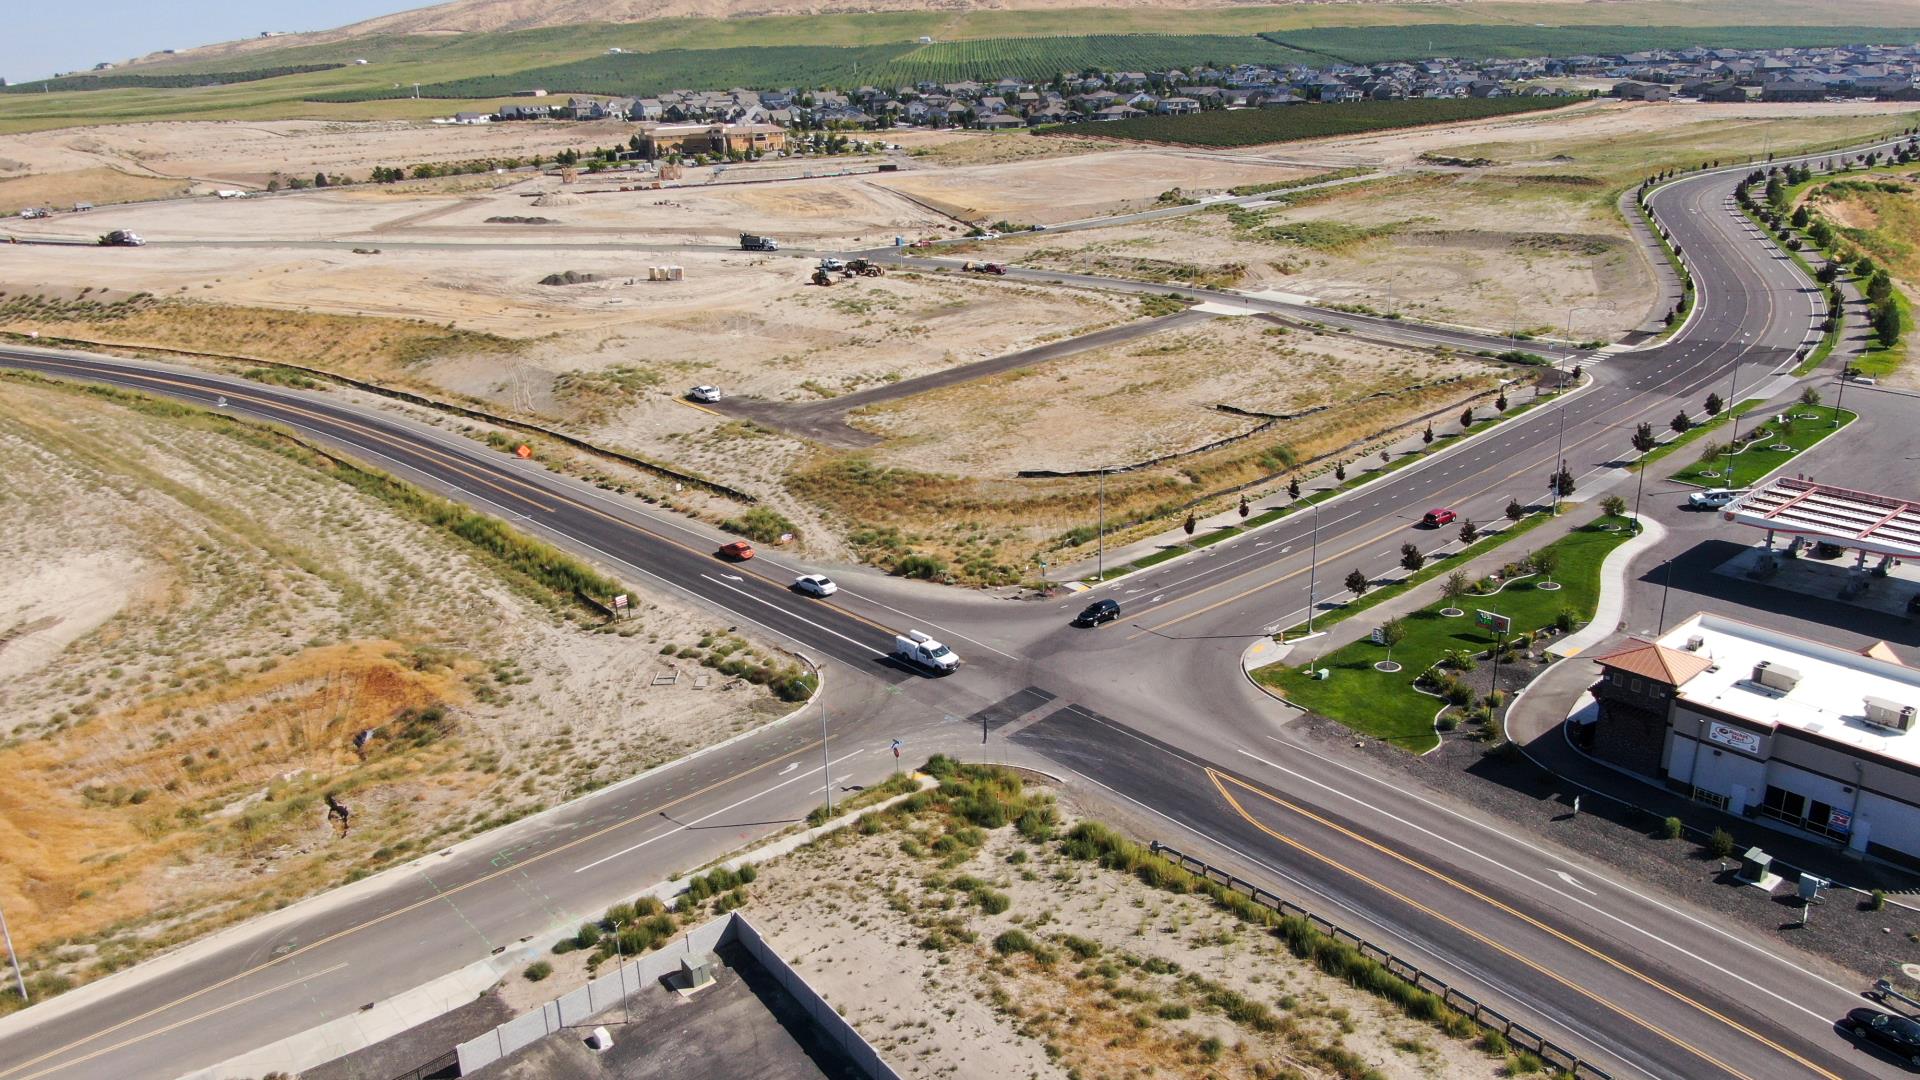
pixel 1516 1033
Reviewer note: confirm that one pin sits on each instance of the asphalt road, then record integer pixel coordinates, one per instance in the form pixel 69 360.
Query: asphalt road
pixel 1148 713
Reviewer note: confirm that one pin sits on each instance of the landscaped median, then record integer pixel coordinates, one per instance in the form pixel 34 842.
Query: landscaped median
pixel 1387 705
pixel 1768 446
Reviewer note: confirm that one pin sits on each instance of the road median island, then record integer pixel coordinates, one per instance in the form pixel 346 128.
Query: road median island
pixel 1768 447
pixel 1391 706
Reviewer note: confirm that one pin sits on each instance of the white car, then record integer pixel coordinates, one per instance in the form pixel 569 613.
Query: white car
pixel 831 264
pixel 815 585
pixel 1714 498
pixel 708 394
pixel 988 235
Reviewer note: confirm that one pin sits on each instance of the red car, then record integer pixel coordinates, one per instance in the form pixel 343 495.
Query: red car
pixel 1439 516
pixel 738 551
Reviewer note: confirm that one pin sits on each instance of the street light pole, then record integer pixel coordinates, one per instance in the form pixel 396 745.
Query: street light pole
pixel 1559 454
pixel 1102 564
pixel 1733 414
pixel 1313 565
pixel 1840 395
pixel 826 767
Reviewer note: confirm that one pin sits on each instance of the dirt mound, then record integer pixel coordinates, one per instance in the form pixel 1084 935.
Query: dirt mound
pixel 558 198
pixel 515 219
pixel 571 277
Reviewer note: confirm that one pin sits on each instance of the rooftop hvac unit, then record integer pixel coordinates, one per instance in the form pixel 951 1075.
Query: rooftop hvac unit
pixel 1889 714
pixel 1775 676
pixel 1696 643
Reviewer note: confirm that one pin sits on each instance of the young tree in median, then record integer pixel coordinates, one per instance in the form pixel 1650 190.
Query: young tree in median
pixel 1809 396
pixel 1339 470
pixel 1714 405
pixel 1613 506
pixel 1879 287
pixel 1500 403
pixel 1357 582
pixel 1411 557
pixel 1456 588
pixel 1427 435
pixel 1543 562
pixel 1293 487
pixel 1515 511
pixel 1466 417
pixel 1189 526
pixel 1643 439
pixel 1392 632
pixel 1681 423
pixel 1469 532
pixel 1561 483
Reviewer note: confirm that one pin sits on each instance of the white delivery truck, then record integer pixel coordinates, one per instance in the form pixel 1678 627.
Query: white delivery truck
pixel 922 651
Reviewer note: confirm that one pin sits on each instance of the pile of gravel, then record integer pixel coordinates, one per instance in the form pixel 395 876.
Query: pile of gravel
pixel 571 277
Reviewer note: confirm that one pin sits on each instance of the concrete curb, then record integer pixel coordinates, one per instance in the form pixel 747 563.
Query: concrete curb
pixel 1612 603
pixel 1588 384
pixel 162 965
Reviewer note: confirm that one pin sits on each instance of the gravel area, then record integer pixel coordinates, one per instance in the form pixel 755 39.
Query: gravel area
pixel 1868 944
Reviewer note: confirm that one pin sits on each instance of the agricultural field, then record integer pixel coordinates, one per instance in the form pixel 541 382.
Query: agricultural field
pixel 161 81
pixel 901 64
pixel 201 617
pixel 1255 127
pixel 1367 45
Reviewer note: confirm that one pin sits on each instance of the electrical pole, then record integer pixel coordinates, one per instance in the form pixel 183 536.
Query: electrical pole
pixel 14 957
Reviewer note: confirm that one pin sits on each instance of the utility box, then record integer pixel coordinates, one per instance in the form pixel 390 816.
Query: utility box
pixel 1810 887
pixel 1755 865
pixel 696 973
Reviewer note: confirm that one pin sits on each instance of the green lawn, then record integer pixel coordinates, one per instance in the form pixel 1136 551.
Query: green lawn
pixel 1879 361
pixel 1387 706
pixel 1757 460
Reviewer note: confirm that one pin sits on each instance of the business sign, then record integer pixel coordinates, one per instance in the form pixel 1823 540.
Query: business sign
pixel 1379 635
pixel 1840 820
pixel 1734 738
pixel 620 601
pixel 1493 620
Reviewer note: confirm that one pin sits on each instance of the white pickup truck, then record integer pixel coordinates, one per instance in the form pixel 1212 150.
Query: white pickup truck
pixel 922 651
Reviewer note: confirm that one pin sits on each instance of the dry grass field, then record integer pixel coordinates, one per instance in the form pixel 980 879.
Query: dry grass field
pixel 200 623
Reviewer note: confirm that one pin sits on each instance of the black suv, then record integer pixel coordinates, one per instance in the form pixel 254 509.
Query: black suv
pixel 1895 1034
pixel 1098 612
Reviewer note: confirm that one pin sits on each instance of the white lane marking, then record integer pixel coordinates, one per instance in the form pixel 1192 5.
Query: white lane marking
pixel 1568 878
pixel 706 817
pixel 788 611
pixel 790 767
pixel 1549 855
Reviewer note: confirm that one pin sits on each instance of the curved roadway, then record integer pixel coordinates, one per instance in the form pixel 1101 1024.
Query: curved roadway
pixel 1148 714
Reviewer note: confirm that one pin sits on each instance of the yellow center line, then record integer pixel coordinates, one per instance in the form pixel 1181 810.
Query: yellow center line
pixel 1220 782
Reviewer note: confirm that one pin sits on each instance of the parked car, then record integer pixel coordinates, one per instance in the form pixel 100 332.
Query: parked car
pixel 1439 516
pixel 708 394
pixel 738 551
pixel 815 585
pixel 1098 612
pixel 1714 498
pixel 1895 1034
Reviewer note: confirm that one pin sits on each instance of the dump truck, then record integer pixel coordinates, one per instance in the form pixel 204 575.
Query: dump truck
pixel 121 238
pixel 925 653
pixel 750 242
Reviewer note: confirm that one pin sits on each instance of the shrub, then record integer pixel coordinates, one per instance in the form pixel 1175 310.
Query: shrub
pixel 920 565
pixel 762 524
pixel 1877 901
pixel 1672 829
pixel 1720 844
pixel 991 902
pixel 537 970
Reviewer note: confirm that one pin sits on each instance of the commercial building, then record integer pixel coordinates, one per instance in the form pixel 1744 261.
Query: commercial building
pixel 715 140
pixel 1767 725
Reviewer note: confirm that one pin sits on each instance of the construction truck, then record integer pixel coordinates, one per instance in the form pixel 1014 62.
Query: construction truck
pixel 983 268
pixel 863 267
pixel 121 238
pixel 750 242
pixel 821 277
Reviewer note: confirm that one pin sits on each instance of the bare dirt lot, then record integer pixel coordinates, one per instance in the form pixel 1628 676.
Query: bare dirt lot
pixel 966 951
pixel 1157 396
pixel 199 622
pixel 1063 189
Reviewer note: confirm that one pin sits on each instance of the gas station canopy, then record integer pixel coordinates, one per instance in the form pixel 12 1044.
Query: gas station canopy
pixel 1857 520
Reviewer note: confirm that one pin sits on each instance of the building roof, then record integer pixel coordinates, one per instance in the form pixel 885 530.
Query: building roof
pixel 1880 524
pixel 1650 660
pixel 1828 696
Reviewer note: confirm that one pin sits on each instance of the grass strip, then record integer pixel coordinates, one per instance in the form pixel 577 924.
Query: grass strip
pixel 1225 533
pixel 1433 569
pixel 1693 434
pixel 1385 704
pixel 1757 458
pixel 539 568
pixel 1885 360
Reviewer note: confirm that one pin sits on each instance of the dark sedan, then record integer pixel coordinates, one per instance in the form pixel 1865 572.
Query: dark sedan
pixel 1897 1035
pixel 1098 612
